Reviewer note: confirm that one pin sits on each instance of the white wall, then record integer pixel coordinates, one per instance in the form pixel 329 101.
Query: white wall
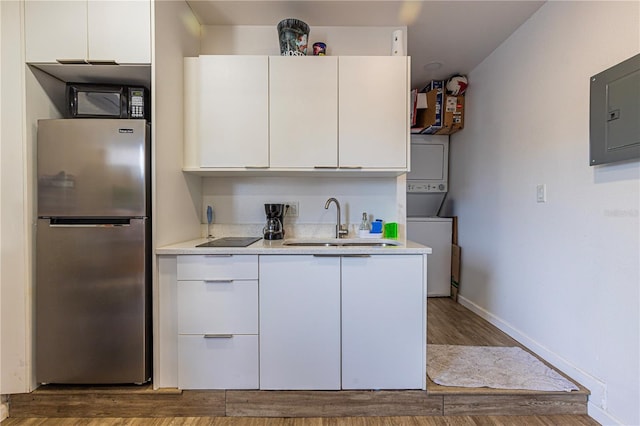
pixel 562 276
pixel 176 195
pixel 3 415
pixel 263 40
pixel 14 216
pixel 3 405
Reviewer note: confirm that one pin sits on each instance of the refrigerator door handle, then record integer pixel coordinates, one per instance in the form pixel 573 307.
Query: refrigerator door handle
pixel 105 225
pixel 88 222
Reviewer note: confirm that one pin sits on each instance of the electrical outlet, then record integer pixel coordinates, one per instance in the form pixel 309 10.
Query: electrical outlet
pixel 292 211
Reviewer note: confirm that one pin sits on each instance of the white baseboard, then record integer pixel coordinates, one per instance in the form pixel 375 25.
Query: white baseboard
pixel 598 389
pixel 602 417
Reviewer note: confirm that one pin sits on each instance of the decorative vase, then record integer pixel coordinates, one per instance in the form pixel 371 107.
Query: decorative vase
pixel 293 35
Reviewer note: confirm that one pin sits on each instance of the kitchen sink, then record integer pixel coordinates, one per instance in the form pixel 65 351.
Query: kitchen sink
pixel 342 242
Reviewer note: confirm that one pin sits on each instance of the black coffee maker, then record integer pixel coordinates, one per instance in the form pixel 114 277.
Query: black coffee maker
pixel 274 229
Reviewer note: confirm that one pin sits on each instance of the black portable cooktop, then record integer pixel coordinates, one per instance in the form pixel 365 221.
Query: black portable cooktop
pixel 230 242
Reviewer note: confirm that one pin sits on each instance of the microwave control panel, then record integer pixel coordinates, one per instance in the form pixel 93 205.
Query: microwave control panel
pixel 420 187
pixel 136 103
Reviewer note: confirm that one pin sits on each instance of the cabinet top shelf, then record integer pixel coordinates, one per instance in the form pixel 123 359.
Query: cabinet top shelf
pixel 98 74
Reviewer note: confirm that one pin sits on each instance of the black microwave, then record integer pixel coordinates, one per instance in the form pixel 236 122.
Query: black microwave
pixel 107 101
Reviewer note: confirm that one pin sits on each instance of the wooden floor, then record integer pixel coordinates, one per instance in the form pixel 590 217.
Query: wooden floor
pixel 447 323
pixel 558 420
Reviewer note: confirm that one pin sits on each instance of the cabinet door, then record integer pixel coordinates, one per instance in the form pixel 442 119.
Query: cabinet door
pixel 119 31
pixel 211 362
pixel 234 111
pixel 383 322
pixel 299 322
pixel 373 111
pixel 55 30
pixel 303 111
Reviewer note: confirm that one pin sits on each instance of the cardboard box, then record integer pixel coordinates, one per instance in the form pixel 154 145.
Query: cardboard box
pixel 434 84
pixel 454 230
pixel 455 271
pixel 421 103
pixel 444 114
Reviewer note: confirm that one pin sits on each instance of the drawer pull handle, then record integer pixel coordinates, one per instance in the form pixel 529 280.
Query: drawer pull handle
pixel 218 281
pixel 218 255
pixel 72 61
pixel 102 62
pixel 218 336
pixel 341 255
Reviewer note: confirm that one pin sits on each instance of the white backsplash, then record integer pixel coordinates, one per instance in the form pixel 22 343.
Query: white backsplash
pixel 240 200
pixel 318 230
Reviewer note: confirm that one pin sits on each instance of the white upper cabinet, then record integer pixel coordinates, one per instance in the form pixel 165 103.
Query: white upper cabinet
pixel 91 31
pixel 299 113
pixel 120 30
pixel 55 30
pixel 303 111
pixel 373 111
pixel 234 111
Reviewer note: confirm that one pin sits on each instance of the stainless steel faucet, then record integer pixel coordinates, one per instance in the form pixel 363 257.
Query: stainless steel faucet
pixel 341 230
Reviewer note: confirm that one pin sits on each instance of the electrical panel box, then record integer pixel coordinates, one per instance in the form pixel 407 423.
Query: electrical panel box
pixel 614 120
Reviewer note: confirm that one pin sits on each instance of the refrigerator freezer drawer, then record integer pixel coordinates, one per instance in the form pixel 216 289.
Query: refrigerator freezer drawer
pixel 92 303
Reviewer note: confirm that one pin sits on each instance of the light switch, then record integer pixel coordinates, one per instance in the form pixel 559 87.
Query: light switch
pixel 541 193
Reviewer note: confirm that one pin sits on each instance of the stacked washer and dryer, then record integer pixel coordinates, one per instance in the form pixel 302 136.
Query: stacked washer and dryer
pixel 427 186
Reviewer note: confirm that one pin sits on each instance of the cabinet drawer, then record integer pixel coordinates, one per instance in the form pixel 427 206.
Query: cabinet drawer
pixel 218 307
pixel 217 363
pixel 218 267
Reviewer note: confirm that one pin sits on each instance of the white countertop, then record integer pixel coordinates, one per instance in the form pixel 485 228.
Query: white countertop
pixel 276 247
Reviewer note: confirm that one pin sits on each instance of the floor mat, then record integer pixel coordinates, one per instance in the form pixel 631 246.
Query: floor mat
pixel 493 367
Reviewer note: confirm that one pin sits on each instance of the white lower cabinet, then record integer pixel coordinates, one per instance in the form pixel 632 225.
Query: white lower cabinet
pixel 217 322
pixel 343 322
pixel 324 322
pixel 383 323
pixel 299 322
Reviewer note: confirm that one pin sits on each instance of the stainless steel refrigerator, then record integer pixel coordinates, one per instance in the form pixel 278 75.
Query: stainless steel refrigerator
pixel 93 307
